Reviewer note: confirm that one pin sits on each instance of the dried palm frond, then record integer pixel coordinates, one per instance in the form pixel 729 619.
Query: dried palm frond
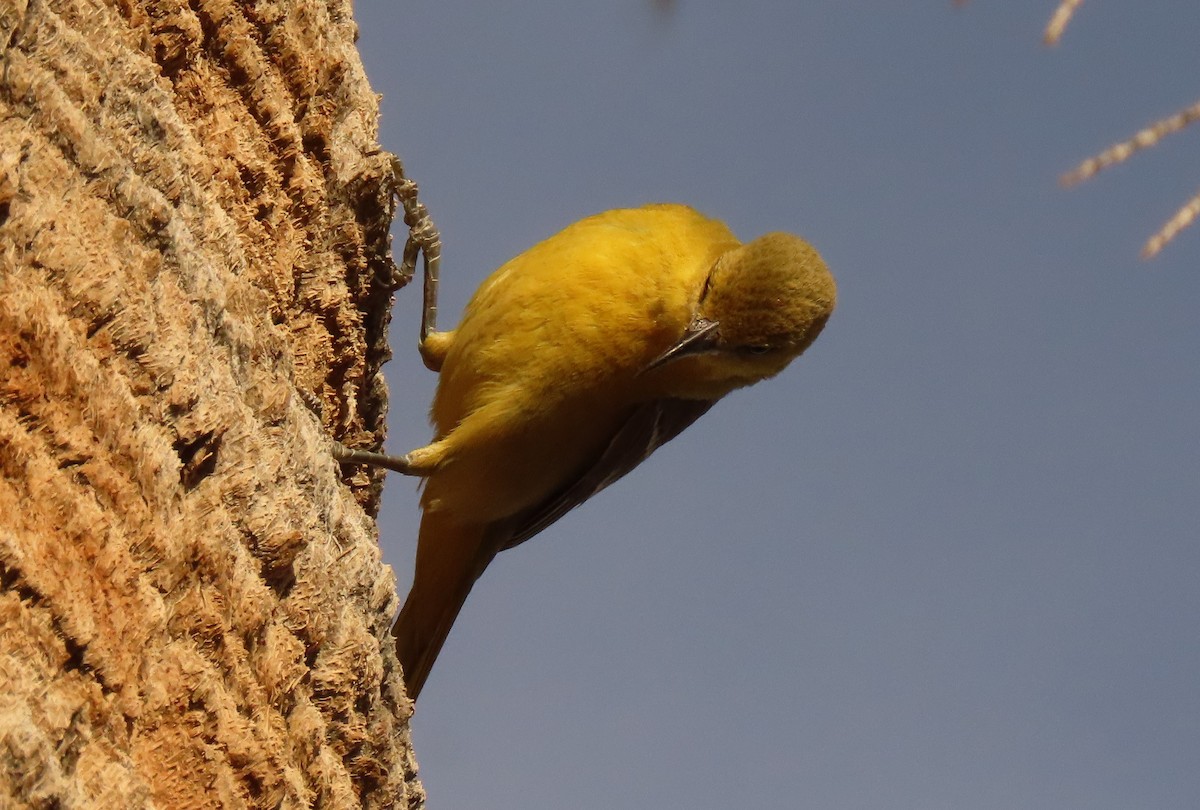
pixel 1058 23
pixel 1120 152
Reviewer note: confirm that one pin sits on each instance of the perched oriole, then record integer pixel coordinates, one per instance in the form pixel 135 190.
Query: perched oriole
pixel 573 362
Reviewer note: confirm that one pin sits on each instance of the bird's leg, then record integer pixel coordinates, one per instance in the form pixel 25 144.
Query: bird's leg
pixel 346 455
pixel 420 462
pixel 423 238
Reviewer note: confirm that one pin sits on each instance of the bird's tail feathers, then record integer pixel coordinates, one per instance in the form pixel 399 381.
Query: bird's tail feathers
pixel 450 557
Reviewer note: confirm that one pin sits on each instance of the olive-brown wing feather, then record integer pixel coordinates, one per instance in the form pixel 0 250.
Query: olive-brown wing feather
pixel 647 428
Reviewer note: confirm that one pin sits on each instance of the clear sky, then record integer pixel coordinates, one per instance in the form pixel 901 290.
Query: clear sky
pixel 948 559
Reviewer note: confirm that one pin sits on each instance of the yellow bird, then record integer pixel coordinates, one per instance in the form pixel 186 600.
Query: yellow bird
pixel 575 361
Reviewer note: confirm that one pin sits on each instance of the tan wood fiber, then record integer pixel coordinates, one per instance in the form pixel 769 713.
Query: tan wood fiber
pixel 194 214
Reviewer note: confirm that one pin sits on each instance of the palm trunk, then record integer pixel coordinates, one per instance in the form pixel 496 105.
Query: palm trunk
pixel 193 301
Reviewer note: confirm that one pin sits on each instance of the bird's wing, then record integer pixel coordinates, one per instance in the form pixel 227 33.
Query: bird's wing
pixel 649 427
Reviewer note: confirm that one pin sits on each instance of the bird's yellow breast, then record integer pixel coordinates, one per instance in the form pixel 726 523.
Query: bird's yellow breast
pixel 547 358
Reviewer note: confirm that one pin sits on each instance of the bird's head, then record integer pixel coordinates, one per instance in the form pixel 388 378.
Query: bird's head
pixel 762 304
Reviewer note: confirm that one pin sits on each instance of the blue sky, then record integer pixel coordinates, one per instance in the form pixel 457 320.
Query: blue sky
pixel 949 558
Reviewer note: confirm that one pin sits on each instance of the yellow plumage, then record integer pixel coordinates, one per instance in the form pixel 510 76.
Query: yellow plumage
pixel 573 362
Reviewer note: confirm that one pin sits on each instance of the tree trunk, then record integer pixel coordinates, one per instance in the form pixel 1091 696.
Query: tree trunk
pixel 194 294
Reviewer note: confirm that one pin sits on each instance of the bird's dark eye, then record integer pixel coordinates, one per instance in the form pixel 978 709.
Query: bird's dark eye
pixel 758 349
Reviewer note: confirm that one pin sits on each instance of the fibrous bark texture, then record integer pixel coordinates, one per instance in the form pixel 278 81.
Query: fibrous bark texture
pixel 193 300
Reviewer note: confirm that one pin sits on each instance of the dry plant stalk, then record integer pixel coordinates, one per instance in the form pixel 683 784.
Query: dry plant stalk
pixel 194 217
pixel 1058 22
pixel 1120 152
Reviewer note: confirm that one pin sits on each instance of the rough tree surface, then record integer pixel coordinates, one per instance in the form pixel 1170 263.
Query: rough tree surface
pixel 193 219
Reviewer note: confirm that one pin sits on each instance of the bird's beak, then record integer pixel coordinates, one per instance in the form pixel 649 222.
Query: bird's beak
pixel 701 336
